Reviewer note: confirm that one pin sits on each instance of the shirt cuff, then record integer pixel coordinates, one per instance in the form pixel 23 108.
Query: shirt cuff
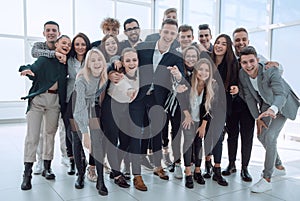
pixel 274 108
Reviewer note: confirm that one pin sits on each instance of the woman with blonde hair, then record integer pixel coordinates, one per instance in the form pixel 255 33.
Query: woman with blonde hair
pixel 197 117
pixel 90 86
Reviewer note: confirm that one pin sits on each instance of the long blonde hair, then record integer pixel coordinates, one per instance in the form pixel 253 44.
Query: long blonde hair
pixel 209 84
pixel 86 70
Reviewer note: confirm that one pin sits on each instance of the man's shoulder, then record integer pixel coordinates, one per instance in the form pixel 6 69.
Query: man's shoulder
pixel 152 37
pixel 96 43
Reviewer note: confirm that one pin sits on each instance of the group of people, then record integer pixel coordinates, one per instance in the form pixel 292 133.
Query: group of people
pixel 117 98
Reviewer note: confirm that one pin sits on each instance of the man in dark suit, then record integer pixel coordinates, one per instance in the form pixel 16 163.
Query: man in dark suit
pixel 159 64
pixel 277 103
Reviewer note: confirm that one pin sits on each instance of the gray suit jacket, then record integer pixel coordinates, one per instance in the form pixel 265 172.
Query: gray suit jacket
pixel 273 90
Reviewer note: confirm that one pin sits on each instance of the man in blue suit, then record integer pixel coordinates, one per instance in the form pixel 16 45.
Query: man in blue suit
pixel 271 102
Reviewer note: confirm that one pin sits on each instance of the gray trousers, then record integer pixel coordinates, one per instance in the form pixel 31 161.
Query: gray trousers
pixel 268 138
pixel 43 107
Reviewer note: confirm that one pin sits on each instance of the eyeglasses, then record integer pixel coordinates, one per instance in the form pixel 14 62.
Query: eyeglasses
pixel 202 35
pixel 132 29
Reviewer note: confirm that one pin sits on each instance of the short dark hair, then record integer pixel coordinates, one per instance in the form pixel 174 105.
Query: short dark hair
pixel 53 23
pixel 128 21
pixel 170 10
pixel 240 29
pixel 185 28
pixel 248 50
pixel 169 21
pixel 204 27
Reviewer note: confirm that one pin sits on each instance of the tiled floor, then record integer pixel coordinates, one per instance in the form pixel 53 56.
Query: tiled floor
pixel 11 149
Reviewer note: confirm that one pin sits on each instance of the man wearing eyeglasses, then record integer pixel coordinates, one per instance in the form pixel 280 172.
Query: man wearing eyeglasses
pixel 204 36
pixel 132 31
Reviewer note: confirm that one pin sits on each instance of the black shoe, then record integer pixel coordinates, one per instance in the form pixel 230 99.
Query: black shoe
pixel 71 170
pixel 122 182
pixel 26 184
pixel 208 170
pixel 48 174
pixel 111 175
pixel 189 181
pixel 245 175
pixel 218 177
pixel 102 190
pixel 230 169
pixel 171 167
pixel 79 184
pixel 198 177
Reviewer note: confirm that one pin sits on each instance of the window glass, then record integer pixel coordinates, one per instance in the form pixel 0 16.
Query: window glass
pixel 39 12
pixel 287 54
pixel 249 13
pixel 286 11
pixel 194 16
pixel 259 41
pixel 141 13
pixel 88 17
pixel 12 16
pixel 12 85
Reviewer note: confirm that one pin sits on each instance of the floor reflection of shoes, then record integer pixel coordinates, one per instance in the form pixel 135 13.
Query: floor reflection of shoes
pixel 146 164
pixel 38 168
pixel 65 160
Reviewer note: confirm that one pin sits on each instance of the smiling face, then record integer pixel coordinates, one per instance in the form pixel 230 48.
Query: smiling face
pixel 240 40
pixel 80 46
pixel 132 31
pixel 204 38
pixel 185 38
pixel 63 45
pixel 51 33
pixel 249 64
pixel 130 62
pixel 190 58
pixel 96 64
pixel 111 46
pixel 220 46
pixel 203 72
pixel 168 34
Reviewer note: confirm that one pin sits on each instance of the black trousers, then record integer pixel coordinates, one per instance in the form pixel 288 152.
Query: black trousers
pixel 240 121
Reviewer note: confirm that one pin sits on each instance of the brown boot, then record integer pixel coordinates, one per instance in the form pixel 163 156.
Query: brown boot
pixel 139 183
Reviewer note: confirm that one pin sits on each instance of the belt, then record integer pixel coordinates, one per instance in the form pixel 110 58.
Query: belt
pixel 52 91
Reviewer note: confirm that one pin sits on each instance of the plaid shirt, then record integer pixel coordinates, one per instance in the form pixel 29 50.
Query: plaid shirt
pixel 41 49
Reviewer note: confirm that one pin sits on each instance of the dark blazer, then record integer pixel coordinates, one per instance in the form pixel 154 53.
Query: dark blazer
pixel 273 91
pixel 161 78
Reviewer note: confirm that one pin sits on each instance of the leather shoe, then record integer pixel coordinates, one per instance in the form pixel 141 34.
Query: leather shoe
pixel 26 184
pixel 102 190
pixel 189 181
pixel 120 181
pixel 48 174
pixel 159 171
pixel 139 183
pixel 245 175
pixel 230 169
pixel 79 184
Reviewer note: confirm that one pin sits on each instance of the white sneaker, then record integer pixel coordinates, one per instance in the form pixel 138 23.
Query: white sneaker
pixel 38 168
pixel 178 172
pixel 65 161
pixel 278 172
pixel 261 186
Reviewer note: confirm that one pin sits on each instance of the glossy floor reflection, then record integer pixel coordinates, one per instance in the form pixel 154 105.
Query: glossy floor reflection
pixel 62 189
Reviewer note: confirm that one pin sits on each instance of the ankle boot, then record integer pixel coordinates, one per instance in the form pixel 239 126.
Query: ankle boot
pixel 218 177
pixel 102 190
pixel 26 183
pixel 71 170
pixel 79 184
pixel 230 169
pixel 47 172
pixel 208 169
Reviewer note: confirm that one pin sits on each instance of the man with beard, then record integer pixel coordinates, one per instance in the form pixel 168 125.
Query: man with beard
pixel 132 31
